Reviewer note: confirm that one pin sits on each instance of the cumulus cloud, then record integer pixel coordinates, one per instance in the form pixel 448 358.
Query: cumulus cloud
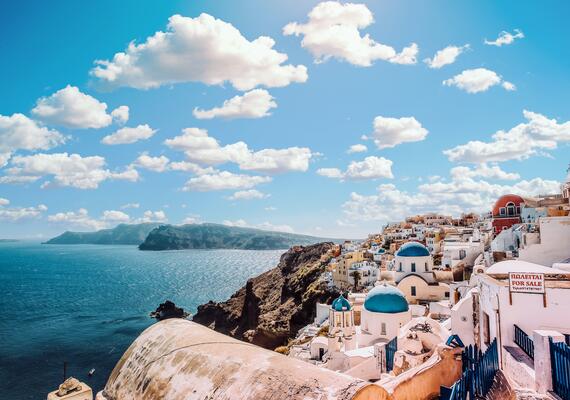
pixel 445 56
pixel 478 80
pixel 130 205
pixel 266 226
pixel 505 38
pixel 12 214
pixel 194 168
pixel 67 170
pixel 483 171
pixel 203 149
pixel 537 135
pixel 333 31
pixel 19 132
pixel 114 216
pixel 390 132
pixel 152 216
pixel 370 168
pixel 129 135
pixel 250 194
pixel 224 180
pixel 357 148
pixel 458 195
pixel 78 219
pixel 202 49
pixel 253 104
pixel 120 115
pixel 71 108
pixel 156 164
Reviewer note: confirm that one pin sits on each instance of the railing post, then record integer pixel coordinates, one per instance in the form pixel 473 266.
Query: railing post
pixel 542 363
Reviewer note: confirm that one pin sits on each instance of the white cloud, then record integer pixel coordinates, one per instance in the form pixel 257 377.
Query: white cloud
pixel 483 171
pixel 270 208
pixel 390 132
pixel 71 108
pixel 224 180
pixel 505 38
pixel 477 80
pixel 114 216
pixel 78 219
pixel 537 135
pixel 120 115
pixel 445 56
pixel 331 173
pixel 129 135
pixel 266 226
pixel 357 148
pixel 202 49
pixel 191 220
pixel 156 164
pixel 203 149
pixel 460 194
pixel 370 168
pixel 191 167
pixel 67 170
pixel 248 195
pixel 13 214
pixel 254 104
pixel 333 31
pixel 19 132
pixel 152 216
pixel 130 205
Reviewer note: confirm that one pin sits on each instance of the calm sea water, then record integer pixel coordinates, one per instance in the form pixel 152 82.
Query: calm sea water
pixel 85 304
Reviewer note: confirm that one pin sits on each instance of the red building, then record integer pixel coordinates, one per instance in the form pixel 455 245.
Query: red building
pixel 506 212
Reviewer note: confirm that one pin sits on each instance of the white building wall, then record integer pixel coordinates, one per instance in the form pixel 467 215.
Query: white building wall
pixel 554 242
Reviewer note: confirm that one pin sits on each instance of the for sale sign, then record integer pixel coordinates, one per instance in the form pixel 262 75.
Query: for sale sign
pixel 526 282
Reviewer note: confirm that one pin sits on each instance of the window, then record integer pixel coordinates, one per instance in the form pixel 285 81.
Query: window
pixel 413 289
pixel 486 329
pixel 383 328
pixel 502 211
pixel 446 295
pixel 511 209
pixel 427 268
pixel 413 267
pixel 462 254
pixel 400 267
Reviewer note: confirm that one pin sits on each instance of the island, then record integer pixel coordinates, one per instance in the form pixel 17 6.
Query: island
pixel 217 236
pixel 127 234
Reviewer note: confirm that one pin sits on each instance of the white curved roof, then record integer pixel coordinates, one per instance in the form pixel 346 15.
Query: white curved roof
pixel 504 267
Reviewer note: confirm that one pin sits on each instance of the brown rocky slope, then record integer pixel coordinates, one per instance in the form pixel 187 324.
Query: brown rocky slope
pixel 273 306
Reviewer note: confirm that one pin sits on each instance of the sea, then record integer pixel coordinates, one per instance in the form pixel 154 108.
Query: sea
pixel 83 305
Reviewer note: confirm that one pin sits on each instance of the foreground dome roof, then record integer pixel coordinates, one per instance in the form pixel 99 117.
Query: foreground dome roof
pixel 387 299
pixel 341 304
pixel 181 360
pixel 413 249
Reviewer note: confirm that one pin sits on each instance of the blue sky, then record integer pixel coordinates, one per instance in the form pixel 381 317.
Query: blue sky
pixel 276 157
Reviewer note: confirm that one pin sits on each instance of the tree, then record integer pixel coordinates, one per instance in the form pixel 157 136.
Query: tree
pixel 356 276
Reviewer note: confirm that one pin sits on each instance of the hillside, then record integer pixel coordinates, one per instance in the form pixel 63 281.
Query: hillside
pixel 272 307
pixel 122 234
pixel 215 236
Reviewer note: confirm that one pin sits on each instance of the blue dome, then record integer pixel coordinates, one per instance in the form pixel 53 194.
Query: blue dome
pixel 386 299
pixel 341 304
pixel 412 249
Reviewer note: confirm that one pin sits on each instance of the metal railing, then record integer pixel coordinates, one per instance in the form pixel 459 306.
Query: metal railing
pixel 391 348
pixel 560 364
pixel 524 342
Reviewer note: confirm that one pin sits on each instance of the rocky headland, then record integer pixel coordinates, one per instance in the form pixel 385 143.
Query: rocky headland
pixel 272 307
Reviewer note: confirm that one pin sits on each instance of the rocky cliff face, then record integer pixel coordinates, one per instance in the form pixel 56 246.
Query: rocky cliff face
pixel 273 306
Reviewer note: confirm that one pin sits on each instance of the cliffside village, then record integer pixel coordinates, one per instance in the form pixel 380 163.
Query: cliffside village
pixel 431 307
pixel 433 282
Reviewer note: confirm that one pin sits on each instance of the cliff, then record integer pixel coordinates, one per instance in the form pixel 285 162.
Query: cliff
pixel 131 234
pixel 273 306
pixel 215 236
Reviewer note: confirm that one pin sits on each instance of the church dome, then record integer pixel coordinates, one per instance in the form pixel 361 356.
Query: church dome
pixel 412 249
pixel 386 299
pixel 341 304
